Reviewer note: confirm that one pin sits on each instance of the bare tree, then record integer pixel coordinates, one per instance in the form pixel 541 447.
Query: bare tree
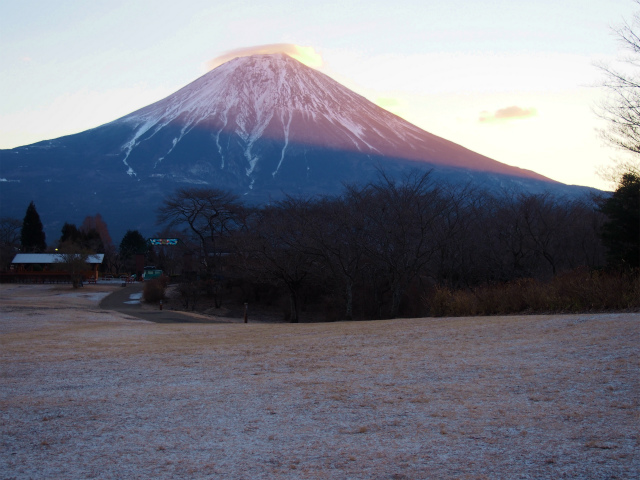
pixel 400 220
pixel 276 248
pixel 524 235
pixel 461 237
pixel 621 107
pixel 173 259
pixel 337 237
pixel 587 248
pixel 73 261
pixel 9 240
pixel 210 215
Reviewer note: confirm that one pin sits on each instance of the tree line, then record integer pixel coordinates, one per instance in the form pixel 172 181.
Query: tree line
pixel 74 244
pixel 373 251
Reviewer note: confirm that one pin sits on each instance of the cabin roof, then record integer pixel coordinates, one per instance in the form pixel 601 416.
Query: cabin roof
pixel 48 258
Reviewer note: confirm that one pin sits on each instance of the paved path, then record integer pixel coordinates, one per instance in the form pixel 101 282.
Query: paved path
pixel 127 300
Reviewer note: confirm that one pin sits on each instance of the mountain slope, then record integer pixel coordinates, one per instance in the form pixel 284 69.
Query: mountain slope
pixel 263 126
pixel 256 102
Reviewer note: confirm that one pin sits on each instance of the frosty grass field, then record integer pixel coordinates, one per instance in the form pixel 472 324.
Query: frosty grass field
pixel 90 393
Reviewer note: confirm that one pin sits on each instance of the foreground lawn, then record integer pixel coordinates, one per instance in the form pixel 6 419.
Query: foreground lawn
pixel 86 393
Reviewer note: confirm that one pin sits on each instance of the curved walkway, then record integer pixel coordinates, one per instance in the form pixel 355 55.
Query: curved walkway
pixel 127 300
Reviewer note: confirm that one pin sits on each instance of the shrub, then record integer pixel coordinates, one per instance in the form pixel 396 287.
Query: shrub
pixel 153 290
pixel 576 291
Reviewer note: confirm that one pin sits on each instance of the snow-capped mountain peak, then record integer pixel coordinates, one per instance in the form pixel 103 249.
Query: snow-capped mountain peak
pixel 261 126
pixel 275 98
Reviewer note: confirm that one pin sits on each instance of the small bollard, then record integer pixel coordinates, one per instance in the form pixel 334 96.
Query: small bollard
pixel 246 306
pixel 160 304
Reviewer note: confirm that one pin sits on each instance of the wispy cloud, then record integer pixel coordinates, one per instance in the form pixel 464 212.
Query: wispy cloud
pixel 506 114
pixel 306 55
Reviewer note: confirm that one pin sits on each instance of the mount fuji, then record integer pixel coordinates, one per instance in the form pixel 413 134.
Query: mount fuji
pixel 263 126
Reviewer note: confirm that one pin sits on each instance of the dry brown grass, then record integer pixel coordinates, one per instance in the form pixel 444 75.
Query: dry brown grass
pixel 576 291
pixel 88 393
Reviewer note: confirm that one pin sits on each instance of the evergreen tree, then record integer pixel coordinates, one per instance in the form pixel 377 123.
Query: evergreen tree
pixel 91 240
pixel 70 233
pixel 74 239
pixel 133 243
pixel 621 232
pixel 98 224
pixel 32 237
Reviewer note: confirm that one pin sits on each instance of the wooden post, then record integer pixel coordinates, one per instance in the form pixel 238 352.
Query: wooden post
pixel 246 307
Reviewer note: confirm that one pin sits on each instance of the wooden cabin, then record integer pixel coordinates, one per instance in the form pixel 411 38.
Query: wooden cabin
pixel 48 267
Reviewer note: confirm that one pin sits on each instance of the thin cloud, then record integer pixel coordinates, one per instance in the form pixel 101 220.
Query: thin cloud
pixel 306 55
pixel 508 113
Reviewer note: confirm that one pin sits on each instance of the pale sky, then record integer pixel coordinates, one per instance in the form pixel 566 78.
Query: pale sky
pixel 511 79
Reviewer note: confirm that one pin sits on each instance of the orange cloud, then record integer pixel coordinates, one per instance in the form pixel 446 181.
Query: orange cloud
pixel 508 113
pixel 306 55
